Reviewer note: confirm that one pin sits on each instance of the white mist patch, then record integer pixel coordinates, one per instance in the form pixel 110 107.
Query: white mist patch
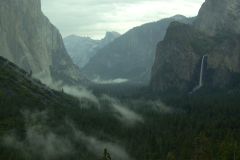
pixel 97 146
pixel 47 145
pixel 80 92
pixel 39 140
pixel 160 107
pixel 127 115
pixel 110 81
pixel 45 79
pixel 123 112
pixel 76 91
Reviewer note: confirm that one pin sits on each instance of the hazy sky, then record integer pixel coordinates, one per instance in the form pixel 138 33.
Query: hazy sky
pixel 94 17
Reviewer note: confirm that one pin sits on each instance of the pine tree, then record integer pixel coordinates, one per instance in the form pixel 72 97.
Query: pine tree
pixel 106 155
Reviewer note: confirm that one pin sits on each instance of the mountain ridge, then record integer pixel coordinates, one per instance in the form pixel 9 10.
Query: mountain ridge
pixel 82 49
pixel 131 55
pixel 178 60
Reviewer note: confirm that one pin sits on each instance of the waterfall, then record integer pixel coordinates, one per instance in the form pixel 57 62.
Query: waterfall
pixel 201 72
pixel 200 83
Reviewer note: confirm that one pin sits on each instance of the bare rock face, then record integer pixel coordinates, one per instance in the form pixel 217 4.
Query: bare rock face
pixel 29 40
pixel 216 35
pixel 131 56
pixel 219 16
pixel 177 58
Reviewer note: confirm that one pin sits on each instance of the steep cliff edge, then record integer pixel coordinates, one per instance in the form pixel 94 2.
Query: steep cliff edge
pixel 219 16
pixel 29 40
pixel 131 56
pixel 179 56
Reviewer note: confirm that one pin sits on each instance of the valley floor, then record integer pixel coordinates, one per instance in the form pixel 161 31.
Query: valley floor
pixel 129 121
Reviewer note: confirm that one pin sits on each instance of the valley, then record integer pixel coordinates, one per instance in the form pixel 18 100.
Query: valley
pixel 165 90
pixel 131 126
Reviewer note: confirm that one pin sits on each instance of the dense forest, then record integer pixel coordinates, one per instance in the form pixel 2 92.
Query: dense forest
pixel 39 123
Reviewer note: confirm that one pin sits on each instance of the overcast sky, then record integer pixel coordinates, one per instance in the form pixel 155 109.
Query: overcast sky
pixel 94 17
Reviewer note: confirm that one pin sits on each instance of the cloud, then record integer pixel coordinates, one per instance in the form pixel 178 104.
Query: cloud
pixel 94 17
pixel 160 107
pixel 80 92
pixel 124 113
pixel 76 91
pixel 97 146
pixel 43 141
pixel 110 81
pixel 40 141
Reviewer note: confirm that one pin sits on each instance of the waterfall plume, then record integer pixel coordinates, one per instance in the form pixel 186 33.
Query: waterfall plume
pixel 201 76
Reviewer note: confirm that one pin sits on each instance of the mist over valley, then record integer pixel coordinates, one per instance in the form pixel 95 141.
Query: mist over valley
pixel 133 80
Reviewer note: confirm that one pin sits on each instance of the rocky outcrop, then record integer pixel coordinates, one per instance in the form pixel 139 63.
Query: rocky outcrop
pixel 219 16
pixel 82 49
pixel 29 40
pixel 108 38
pixel 178 60
pixel 131 56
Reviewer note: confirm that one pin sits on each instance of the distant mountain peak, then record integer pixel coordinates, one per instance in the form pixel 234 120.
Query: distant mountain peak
pixel 82 49
pixel 112 33
pixel 110 36
pixel 179 17
pixel 74 36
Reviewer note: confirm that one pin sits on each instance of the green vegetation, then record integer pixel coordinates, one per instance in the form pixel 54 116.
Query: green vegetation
pixel 198 127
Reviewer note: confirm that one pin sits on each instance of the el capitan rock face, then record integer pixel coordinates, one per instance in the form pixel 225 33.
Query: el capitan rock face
pixel 179 56
pixel 29 40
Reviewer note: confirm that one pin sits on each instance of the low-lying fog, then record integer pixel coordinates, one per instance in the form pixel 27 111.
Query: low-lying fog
pixel 44 141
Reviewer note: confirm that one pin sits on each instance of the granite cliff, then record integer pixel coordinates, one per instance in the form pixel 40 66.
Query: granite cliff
pixel 179 56
pixel 219 16
pixel 131 56
pixel 29 40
